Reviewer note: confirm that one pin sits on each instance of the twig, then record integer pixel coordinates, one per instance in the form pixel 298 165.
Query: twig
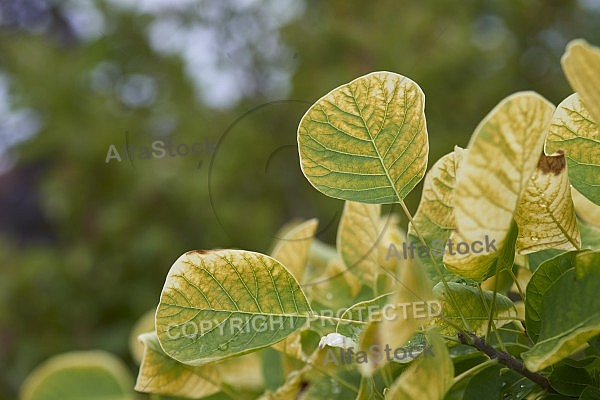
pixel 505 358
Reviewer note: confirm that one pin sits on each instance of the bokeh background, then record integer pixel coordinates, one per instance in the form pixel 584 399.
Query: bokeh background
pixel 85 244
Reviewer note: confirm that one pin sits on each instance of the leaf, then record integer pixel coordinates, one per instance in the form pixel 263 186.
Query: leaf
pixel 410 305
pixel 321 378
pixel 357 239
pixel 160 374
pixel 321 254
pixel 372 344
pixel 568 380
pixel 434 218
pixel 366 141
pixel 495 171
pixel 392 234
pixel 362 312
pixel 223 303
pixel 274 367
pixel 290 390
pixel 538 258
pixel 562 308
pixel 474 308
pixel 326 277
pixel 491 382
pixel 574 131
pixel 581 64
pixel 85 375
pixel 335 288
pixel 428 379
pixel 244 372
pixel 585 209
pixel 292 249
pixel 545 214
pixel 144 324
pixel 367 389
pixel 291 346
pixel 388 262
pixel 406 311
pixel 368 316
pixel 590 393
pixel 590 236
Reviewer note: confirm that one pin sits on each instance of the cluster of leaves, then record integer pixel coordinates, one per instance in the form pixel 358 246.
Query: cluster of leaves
pixel 518 322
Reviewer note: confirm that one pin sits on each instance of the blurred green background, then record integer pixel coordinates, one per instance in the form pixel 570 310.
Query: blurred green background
pixel 85 245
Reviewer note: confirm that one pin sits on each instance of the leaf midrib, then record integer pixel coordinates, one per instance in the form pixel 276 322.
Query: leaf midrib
pixel 372 140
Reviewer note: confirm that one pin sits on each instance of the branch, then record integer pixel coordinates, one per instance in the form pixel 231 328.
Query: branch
pixel 505 358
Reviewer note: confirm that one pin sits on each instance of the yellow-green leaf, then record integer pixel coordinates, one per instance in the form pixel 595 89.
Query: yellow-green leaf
pixel 292 249
pixel 361 313
pixel 320 255
pixel 562 307
pixel 585 209
pixel 223 303
pixel 434 218
pixel 581 64
pixel 321 378
pixel 489 380
pixel 85 375
pixel 413 291
pixel 244 373
pixel 428 379
pixel 574 131
pixel 367 389
pixel 366 140
pixel 290 390
pixel 291 346
pixel 357 239
pixel 501 157
pixel 144 324
pixel 160 374
pixel 391 234
pixel 408 309
pixel 474 307
pixel 335 287
pixel 546 215
pixel 435 215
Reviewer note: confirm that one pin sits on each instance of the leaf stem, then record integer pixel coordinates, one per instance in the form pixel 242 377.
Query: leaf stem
pixel 519 288
pixel 491 312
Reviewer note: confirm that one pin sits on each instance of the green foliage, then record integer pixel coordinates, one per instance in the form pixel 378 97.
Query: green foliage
pixel 82 375
pixel 367 140
pixel 366 143
pixel 239 294
pixel 562 308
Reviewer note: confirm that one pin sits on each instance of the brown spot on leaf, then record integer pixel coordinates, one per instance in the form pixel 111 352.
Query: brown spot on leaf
pixel 554 163
pixel 199 252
